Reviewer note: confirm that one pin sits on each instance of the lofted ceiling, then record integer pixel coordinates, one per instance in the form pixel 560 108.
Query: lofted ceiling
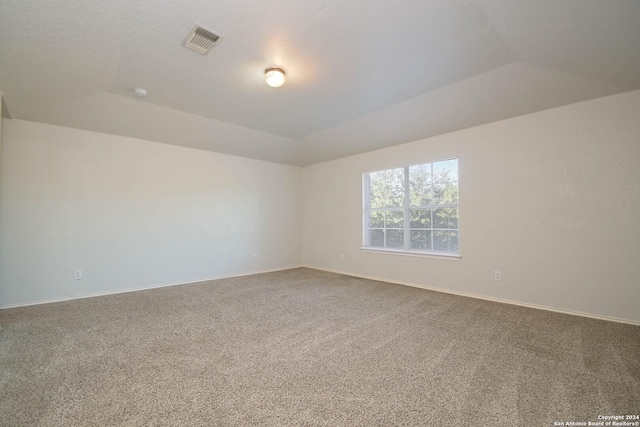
pixel 361 75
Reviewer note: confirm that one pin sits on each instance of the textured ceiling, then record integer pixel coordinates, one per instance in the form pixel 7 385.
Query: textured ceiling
pixel 361 75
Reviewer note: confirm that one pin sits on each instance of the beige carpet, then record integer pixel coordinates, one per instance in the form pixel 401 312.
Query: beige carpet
pixel 306 348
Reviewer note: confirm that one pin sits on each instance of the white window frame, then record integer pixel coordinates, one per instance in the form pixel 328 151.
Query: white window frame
pixel 406 250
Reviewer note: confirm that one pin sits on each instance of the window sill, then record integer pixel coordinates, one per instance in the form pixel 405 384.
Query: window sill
pixel 434 255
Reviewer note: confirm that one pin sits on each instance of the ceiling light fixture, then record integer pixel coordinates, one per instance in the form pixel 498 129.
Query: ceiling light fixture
pixel 140 92
pixel 274 76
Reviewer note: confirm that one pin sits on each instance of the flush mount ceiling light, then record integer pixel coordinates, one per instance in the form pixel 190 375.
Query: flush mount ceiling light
pixel 274 76
pixel 140 92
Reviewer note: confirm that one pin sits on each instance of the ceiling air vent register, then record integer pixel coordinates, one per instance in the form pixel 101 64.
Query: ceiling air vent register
pixel 201 40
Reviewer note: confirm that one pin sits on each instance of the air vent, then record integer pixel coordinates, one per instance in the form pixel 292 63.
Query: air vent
pixel 201 40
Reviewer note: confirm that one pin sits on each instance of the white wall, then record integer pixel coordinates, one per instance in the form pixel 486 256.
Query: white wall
pixel 551 199
pixel 1 96
pixel 1 121
pixel 133 214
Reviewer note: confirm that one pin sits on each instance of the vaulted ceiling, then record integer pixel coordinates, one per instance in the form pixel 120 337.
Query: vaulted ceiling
pixel 361 75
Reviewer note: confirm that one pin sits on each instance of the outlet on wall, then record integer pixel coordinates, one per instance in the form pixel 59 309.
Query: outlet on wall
pixel 255 256
pixel 341 257
pixel 77 275
pixel 497 275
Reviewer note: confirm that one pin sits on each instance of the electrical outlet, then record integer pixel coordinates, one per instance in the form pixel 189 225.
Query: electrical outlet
pixel 255 256
pixel 341 257
pixel 497 275
pixel 77 275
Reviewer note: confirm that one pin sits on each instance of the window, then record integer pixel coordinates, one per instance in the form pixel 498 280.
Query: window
pixel 413 208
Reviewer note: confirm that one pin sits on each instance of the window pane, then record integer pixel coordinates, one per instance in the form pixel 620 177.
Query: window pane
pixel 430 209
pixel 445 241
pixel 421 239
pixel 420 218
pixel 395 238
pixel 451 194
pixel 376 238
pixel 446 171
pixel 420 185
pixel 445 194
pixel 376 219
pixel 445 218
pixel 376 189
pixel 394 219
pixel 395 187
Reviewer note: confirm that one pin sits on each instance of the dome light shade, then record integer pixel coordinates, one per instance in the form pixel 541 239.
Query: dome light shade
pixel 274 76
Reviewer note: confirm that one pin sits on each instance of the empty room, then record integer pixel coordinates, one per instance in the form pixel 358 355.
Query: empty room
pixel 320 213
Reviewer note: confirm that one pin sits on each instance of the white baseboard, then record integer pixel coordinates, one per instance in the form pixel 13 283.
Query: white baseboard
pixel 380 279
pixel 482 297
pixel 123 291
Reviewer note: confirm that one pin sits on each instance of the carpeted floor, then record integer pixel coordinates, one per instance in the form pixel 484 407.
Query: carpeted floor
pixel 304 348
